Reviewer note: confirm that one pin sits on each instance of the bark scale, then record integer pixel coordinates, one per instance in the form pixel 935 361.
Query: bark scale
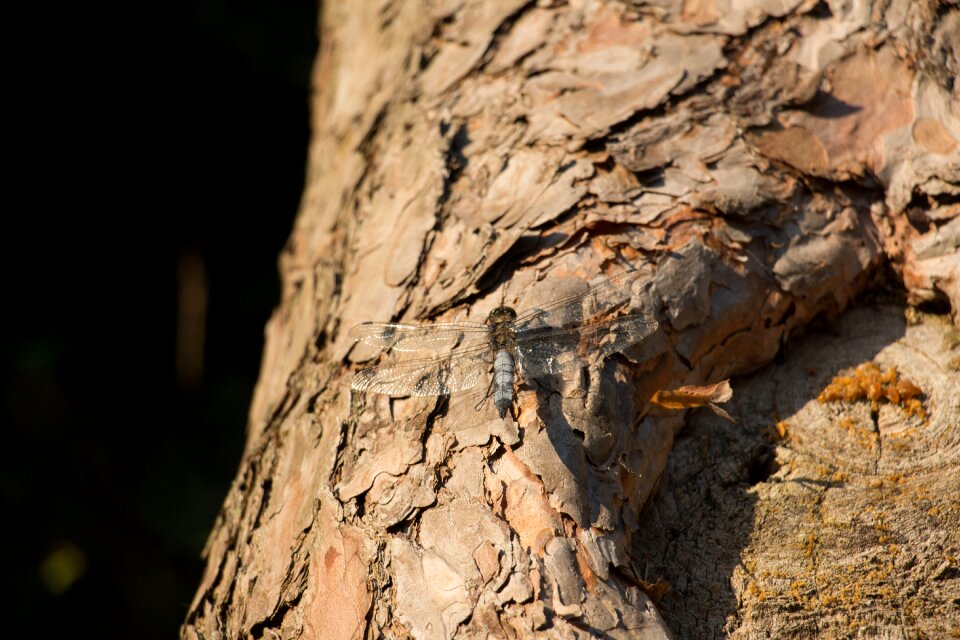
pixel 768 159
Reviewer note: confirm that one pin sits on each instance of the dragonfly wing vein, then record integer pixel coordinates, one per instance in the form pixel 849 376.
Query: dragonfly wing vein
pixel 601 299
pixel 442 336
pixel 544 351
pixel 437 376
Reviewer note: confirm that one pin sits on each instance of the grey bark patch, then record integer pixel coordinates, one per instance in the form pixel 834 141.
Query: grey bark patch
pixel 682 281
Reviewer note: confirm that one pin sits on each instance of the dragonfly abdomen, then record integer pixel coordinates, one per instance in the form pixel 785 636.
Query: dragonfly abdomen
pixel 503 381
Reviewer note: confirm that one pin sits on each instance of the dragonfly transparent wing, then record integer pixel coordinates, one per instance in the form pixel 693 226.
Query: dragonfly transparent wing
pixel 546 351
pixel 441 375
pixel 442 336
pixel 601 299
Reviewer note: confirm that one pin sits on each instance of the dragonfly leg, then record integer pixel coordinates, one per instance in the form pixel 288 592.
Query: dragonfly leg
pixel 486 395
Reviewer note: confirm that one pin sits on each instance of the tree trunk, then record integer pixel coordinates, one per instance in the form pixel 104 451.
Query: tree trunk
pixel 769 160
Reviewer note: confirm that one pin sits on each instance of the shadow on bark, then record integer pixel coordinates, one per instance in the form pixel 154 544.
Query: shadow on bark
pixel 699 522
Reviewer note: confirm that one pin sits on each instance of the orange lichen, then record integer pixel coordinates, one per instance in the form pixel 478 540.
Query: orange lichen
pixel 797 590
pixel 869 382
pixel 866 437
pixel 783 428
pixel 757 592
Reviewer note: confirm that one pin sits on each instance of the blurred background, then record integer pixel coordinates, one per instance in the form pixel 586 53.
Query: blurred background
pixel 159 154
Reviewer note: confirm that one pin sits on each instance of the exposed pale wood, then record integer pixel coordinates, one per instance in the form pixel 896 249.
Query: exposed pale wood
pixel 847 526
pixel 766 158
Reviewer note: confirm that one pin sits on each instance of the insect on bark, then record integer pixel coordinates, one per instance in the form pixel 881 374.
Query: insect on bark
pixel 531 344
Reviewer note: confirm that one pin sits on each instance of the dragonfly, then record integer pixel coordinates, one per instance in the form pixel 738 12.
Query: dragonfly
pixel 533 344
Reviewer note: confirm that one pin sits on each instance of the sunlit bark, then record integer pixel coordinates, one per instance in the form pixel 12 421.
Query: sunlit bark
pixel 769 161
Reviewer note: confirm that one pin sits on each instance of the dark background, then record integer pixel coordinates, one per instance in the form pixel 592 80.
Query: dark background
pixel 159 155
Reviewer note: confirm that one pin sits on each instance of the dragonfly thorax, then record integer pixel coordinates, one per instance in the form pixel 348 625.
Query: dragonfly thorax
pixel 502 335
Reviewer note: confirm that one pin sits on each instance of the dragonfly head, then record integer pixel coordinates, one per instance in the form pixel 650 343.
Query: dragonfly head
pixel 501 315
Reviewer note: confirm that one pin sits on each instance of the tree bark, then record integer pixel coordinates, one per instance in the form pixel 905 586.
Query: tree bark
pixel 770 160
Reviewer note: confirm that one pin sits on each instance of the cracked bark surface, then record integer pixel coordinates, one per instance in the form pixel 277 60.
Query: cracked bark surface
pixel 768 160
pixel 844 526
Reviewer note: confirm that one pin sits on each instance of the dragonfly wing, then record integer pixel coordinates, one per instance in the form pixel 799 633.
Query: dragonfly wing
pixel 601 299
pixel 546 351
pixel 441 375
pixel 542 365
pixel 442 336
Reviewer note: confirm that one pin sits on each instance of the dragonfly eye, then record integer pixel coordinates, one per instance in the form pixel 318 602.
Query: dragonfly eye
pixel 501 314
